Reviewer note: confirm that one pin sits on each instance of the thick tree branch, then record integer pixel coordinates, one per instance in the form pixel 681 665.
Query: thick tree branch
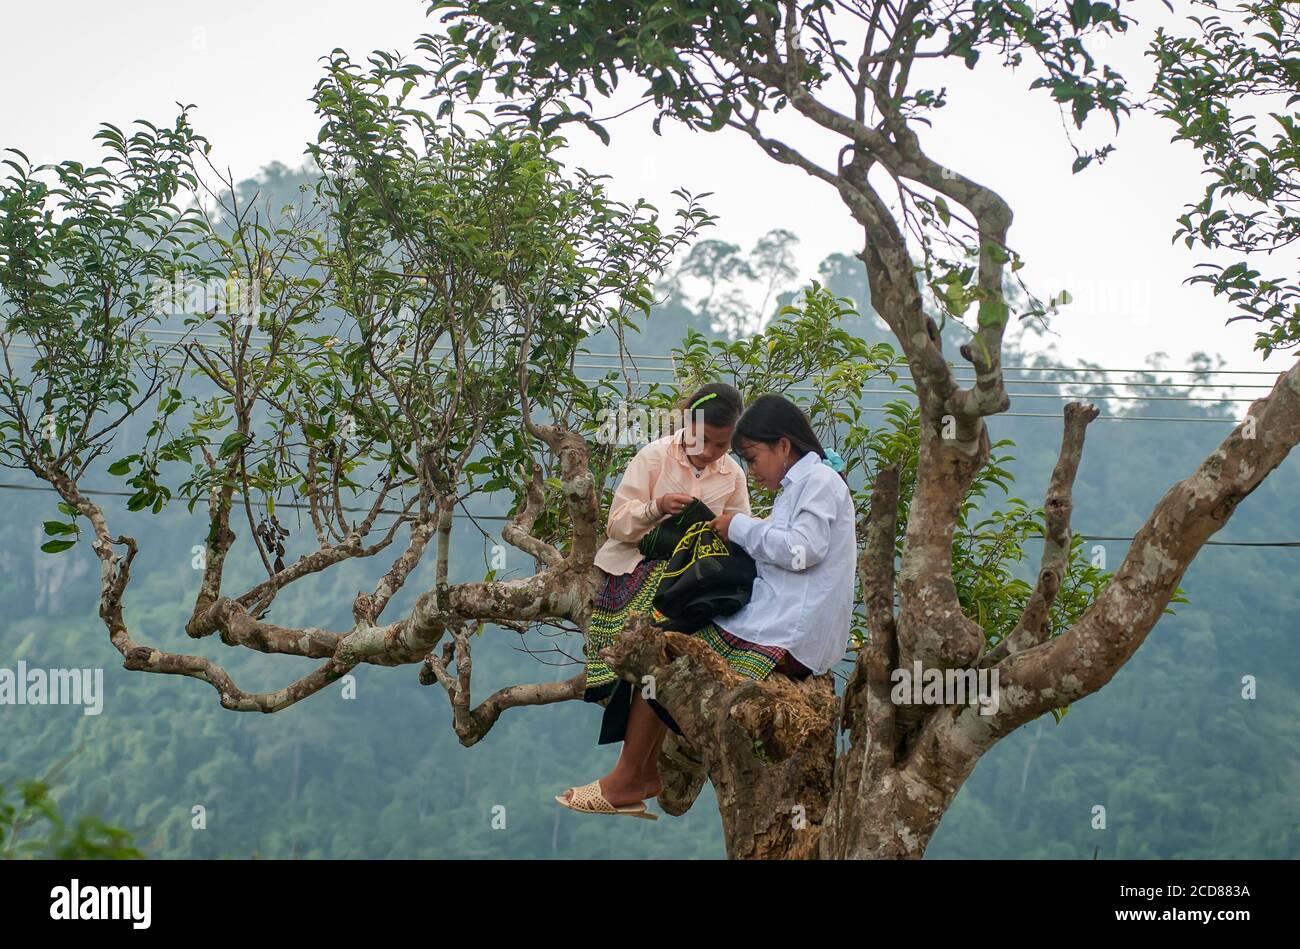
pixel 867 709
pixel 768 747
pixel 1085 657
pixel 868 712
pixel 146 659
pixel 1058 505
pixel 115 574
pixel 518 532
pixel 931 626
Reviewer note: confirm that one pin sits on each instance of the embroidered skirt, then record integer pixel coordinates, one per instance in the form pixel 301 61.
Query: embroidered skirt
pixel 618 599
pixel 749 659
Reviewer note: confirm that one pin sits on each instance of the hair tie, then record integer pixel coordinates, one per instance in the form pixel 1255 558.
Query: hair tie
pixel 833 459
pixel 700 400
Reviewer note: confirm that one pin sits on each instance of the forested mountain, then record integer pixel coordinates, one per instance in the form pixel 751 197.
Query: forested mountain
pixel 1182 763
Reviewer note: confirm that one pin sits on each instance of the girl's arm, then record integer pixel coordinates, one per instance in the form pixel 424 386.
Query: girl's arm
pixel 633 512
pixel 800 545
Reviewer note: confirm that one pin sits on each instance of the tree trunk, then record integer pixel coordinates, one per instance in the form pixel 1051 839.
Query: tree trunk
pixel 890 813
pixel 767 747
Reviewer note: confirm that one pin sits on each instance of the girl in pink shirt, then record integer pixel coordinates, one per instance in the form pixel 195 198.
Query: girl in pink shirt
pixel 662 479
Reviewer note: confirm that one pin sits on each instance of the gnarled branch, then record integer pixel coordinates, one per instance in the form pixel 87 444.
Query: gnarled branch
pixel 1057 506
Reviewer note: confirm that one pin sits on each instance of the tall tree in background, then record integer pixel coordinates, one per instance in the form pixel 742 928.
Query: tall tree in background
pixel 413 343
pixel 857 70
pixel 770 265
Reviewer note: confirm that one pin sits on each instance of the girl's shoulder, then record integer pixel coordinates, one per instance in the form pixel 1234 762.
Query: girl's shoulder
pixel 828 479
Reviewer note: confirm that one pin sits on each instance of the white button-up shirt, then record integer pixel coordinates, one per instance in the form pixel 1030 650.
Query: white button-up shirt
pixel 806 553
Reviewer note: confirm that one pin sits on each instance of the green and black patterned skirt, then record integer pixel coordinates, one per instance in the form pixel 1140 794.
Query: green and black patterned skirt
pixel 618 599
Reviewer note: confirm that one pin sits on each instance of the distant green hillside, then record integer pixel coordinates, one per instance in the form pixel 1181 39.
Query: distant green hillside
pixel 1184 766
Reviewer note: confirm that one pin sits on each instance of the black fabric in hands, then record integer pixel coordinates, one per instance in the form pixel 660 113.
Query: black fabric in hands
pixel 706 577
pixel 664 537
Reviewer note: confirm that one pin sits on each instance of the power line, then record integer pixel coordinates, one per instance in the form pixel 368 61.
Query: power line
pixel 1011 393
pixel 636 357
pixel 1033 395
pixel 503 517
pixel 618 367
pixel 27 350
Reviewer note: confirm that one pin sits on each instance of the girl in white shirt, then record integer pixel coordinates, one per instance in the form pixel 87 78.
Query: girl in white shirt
pixel 806 550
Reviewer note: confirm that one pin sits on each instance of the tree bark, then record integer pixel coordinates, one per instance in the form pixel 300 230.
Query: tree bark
pixel 767 747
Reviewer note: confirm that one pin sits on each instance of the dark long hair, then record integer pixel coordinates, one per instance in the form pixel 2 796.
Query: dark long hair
pixel 770 418
pixel 721 411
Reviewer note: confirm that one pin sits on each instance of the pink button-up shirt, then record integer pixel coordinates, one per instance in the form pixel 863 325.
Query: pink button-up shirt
pixel 663 467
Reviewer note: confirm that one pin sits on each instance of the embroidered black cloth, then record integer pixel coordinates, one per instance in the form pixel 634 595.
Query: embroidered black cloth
pixel 663 538
pixel 706 577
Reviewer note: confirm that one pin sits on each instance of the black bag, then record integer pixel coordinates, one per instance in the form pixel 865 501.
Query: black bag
pixel 706 577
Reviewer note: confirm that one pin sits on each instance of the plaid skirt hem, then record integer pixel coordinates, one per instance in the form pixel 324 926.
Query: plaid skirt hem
pixel 749 659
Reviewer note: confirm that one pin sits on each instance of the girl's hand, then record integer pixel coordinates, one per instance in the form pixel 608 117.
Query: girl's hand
pixel 721 524
pixel 673 503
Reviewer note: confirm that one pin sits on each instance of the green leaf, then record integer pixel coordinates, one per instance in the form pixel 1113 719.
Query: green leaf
pixel 941 206
pixel 993 313
pixel 57 546
pixel 233 442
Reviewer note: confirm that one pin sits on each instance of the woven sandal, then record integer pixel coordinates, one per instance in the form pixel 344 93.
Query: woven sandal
pixel 588 800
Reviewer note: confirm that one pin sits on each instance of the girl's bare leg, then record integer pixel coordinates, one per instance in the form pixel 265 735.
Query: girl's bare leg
pixel 651 783
pixel 625 784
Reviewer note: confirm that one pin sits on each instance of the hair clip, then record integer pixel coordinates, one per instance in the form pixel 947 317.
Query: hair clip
pixel 833 459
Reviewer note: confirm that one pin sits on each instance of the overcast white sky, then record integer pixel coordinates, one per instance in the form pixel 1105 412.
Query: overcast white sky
pixel 249 67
